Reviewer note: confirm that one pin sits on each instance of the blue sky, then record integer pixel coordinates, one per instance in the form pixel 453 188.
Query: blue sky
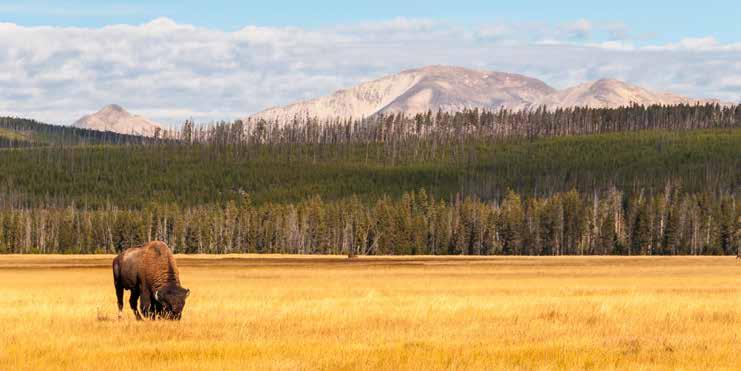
pixel 660 21
pixel 225 59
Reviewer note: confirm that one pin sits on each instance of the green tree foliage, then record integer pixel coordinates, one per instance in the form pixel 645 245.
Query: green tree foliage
pixel 416 223
pixel 21 133
pixel 511 223
pixel 134 176
pixel 635 180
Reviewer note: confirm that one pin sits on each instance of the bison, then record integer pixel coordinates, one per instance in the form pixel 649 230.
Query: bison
pixel 150 273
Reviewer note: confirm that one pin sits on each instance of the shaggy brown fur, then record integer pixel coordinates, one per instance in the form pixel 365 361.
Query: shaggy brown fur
pixel 150 273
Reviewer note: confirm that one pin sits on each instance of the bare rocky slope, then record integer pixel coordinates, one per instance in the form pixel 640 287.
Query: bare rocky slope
pixel 608 93
pixel 116 119
pixel 455 88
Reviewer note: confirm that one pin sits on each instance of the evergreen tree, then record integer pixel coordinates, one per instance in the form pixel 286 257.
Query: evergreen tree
pixel 511 223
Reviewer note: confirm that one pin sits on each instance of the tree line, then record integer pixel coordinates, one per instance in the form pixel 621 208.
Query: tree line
pixel 446 127
pixel 646 180
pixel 670 222
pixel 21 133
pixel 397 131
pixel 131 177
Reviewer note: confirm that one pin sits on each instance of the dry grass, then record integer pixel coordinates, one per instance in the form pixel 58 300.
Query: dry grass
pixel 249 312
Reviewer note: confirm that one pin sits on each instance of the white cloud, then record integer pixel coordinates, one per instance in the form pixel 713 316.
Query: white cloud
pixel 698 44
pixel 617 31
pixel 494 32
pixel 615 45
pixel 170 71
pixel 578 30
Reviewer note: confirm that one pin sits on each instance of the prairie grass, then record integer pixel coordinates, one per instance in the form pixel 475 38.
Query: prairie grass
pixel 287 312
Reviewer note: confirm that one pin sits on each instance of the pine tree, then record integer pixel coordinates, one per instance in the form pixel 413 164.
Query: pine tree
pixel 511 222
pixel 641 233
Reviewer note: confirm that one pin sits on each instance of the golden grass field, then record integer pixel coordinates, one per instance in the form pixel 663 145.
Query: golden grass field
pixel 273 312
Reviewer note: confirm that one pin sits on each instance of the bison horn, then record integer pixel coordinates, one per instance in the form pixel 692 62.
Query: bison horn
pixel 156 295
pixel 187 292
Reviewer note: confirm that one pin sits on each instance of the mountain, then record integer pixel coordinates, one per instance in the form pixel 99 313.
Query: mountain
pixel 454 88
pixel 116 119
pixel 416 91
pixel 608 93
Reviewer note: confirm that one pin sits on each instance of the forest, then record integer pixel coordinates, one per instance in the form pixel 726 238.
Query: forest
pixel 20 133
pixel 633 181
pixel 671 222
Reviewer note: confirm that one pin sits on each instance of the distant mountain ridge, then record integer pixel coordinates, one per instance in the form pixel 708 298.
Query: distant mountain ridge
pixel 449 88
pixel 609 93
pixel 115 118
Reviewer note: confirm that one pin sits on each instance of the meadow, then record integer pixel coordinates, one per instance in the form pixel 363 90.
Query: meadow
pixel 422 313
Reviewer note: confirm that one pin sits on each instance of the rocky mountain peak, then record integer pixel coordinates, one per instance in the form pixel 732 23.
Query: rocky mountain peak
pixel 116 119
pixel 451 88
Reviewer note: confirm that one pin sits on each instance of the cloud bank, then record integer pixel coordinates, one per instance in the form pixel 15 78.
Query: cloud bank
pixel 170 72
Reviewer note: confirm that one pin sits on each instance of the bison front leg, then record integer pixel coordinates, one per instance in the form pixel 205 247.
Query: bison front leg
pixel 133 301
pixel 146 305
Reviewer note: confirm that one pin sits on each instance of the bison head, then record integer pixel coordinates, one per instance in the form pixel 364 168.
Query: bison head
pixel 172 300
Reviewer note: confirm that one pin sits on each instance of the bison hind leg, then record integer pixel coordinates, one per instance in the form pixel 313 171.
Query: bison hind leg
pixel 119 286
pixel 133 303
pixel 120 297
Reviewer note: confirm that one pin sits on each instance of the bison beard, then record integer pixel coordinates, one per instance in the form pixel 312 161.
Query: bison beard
pixel 150 273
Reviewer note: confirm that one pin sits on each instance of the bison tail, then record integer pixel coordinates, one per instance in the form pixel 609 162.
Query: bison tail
pixel 116 270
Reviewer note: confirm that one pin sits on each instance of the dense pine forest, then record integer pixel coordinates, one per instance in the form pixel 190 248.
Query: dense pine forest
pixel 136 176
pixel 20 133
pixel 635 180
pixel 667 223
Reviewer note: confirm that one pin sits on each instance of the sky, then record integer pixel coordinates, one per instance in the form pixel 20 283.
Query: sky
pixel 221 60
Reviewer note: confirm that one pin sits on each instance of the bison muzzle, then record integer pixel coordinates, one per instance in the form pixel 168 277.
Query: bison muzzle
pixel 150 273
